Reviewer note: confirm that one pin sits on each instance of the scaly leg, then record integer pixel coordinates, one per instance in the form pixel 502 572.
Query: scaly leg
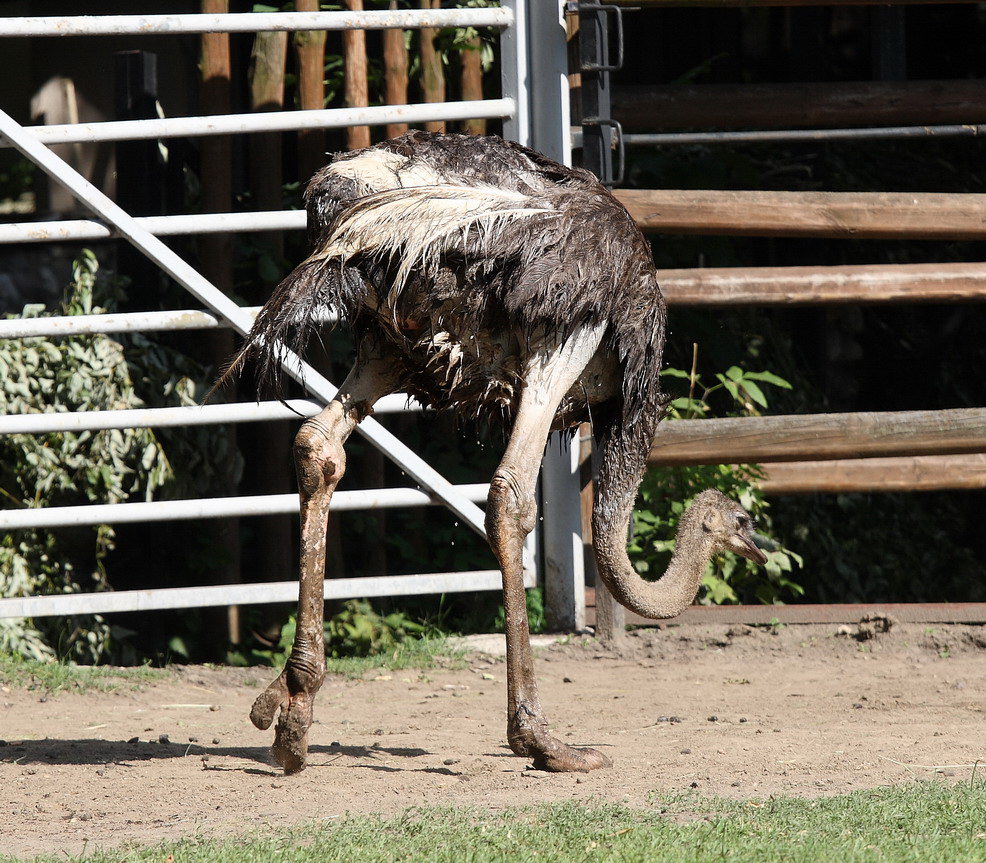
pixel 510 516
pixel 320 461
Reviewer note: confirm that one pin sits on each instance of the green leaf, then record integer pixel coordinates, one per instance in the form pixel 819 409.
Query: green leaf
pixel 754 392
pixel 769 378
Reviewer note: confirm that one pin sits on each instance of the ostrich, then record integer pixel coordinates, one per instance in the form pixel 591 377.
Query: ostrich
pixel 482 278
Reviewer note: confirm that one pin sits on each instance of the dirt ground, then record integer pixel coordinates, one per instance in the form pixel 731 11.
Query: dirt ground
pixel 741 712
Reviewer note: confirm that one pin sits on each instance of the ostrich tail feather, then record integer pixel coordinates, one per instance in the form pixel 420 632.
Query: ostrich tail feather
pixel 315 290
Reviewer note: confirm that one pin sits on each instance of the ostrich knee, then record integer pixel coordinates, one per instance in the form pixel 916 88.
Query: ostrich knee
pixel 320 460
pixel 511 512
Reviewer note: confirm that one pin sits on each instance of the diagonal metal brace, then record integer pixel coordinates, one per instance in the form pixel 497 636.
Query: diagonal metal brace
pixel 201 288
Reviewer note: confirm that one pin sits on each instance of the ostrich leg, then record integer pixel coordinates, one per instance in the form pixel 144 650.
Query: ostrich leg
pixel 320 461
pixel 510 516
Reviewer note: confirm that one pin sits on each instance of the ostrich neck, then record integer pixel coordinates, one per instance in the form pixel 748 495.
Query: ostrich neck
pixel 675 590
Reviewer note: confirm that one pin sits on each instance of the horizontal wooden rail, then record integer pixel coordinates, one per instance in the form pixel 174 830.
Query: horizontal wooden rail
pixel 875 283
pixel 819 437
pixel 645 108
pixel 898 474
pixel 728 4
pixel 872 215
pixel 761 615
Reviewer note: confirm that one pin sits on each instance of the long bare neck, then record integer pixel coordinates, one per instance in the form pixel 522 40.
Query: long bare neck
pixel 675 590
pixel 622 465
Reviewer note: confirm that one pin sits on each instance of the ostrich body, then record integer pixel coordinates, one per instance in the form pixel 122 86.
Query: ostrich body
pixel 483 278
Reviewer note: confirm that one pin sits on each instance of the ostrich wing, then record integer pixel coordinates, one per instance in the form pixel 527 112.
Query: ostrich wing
pixel 400 231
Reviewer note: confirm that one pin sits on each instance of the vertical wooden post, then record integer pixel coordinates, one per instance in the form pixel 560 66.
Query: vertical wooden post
pixel 354 65
pixel 310 47
pixel 432 72
pixel 395 70
pixel 271 470
pixel 216 259
pixel 472 81
pixel 610 615
pixel 266 75
pixel 574 67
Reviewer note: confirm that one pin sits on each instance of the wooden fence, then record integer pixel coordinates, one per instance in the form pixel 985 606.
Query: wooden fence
pixel 861 452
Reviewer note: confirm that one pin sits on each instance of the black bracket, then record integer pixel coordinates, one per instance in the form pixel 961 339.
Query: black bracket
pixel 617 175
pixel 595 22
pixel 616 13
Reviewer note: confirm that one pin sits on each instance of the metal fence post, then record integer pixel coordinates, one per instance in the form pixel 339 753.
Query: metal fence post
pixel 535 74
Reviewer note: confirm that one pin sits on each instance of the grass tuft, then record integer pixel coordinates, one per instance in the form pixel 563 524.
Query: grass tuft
pixel 15 671
pixel 418 653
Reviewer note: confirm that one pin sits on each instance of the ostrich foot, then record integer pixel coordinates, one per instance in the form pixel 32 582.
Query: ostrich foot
pixel 528 736
pixel 290 747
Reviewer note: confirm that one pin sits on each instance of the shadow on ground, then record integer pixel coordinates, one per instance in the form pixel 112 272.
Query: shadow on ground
pixel 96 752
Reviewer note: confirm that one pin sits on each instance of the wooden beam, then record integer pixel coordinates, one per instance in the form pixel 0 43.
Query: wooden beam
pixel 819 437
pixel 355 72
pixel 899 474
pixel 310 47
pixel 762 615
pixel 799 106
pixel 395 72
pixel 872 283
pixel 471 78
pixel 432 69
pixel 873 215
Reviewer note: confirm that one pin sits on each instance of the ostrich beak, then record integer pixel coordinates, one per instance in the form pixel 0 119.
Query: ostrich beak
pixel 745 547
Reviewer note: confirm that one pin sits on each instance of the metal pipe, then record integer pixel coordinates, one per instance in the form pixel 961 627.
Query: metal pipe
pixel 247 594
pixel 185 415
pixel 220 507
pixel 121 322
pixel 794 136
pixel 161 226
pixel 270 121
pixel 255 22
pixel 203 290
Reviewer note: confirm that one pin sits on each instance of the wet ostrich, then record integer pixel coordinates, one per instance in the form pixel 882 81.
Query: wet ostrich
pixel 485 279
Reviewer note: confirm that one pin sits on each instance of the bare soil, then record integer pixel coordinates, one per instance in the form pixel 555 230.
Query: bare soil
pixel 740 712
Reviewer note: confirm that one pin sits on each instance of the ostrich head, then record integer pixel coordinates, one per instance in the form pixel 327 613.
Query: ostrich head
pixel 726 525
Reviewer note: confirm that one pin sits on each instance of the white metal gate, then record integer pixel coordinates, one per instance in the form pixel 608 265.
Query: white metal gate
pixel 534 108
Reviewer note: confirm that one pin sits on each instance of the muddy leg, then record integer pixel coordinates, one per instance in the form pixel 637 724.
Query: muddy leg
pixel 510 516
pixel 320 461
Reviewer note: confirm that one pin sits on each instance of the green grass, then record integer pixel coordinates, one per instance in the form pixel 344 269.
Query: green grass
pixel 424 653
pixel 418 653
pixel 923 823
pixel 58 676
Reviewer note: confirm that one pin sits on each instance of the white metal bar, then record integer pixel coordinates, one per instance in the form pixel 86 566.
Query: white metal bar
pixel 542 82
pixel 119 322
pixel 161 226
pixel 246 594
pixel 270 121
pixel 186 415
pixel 220 507
pixel 514 73
pixel 255 22
pixel 201 288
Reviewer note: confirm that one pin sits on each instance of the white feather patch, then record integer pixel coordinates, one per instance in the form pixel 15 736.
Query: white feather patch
pixel 418 225
pixel 379 170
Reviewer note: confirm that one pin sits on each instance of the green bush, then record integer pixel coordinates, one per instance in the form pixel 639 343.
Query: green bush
pixel 667 491
pixel 75 374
